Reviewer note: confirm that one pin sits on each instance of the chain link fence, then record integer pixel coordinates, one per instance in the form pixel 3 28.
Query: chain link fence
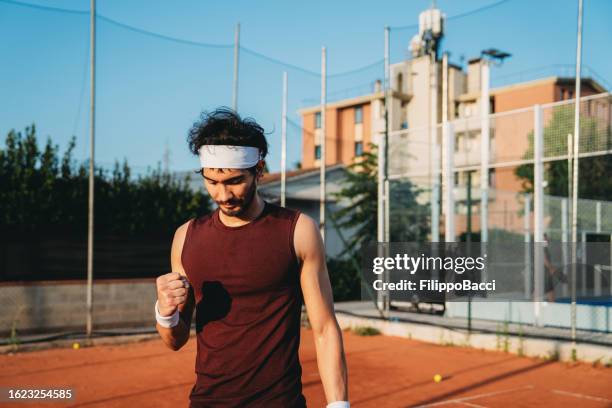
pixel 518 207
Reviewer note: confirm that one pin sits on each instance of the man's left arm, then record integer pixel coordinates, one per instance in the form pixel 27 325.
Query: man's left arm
pixel 318 299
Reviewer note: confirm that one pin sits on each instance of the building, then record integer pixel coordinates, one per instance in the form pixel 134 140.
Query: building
pixel 425 91
pixel 351 124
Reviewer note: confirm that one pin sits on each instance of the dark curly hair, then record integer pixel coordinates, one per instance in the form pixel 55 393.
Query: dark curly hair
pixel 223 126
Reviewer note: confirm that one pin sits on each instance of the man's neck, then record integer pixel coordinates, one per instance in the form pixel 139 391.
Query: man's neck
pixel 254 210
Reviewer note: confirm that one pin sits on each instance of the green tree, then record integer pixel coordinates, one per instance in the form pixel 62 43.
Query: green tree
pixel 39 190
pixel 593 173
pixel 358 214
pixel 410 219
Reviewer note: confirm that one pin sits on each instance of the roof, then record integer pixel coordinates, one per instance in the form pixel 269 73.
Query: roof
pixel 554 79
pixel 274 177
pixel 358 100
pixel 304 184
pixel 270 178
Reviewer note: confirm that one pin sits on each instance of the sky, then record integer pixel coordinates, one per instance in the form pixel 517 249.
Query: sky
pixel 150 89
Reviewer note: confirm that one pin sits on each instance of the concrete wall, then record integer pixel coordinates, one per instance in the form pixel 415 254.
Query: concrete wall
pixel 523 95
pixel 56 306
pixel 346 135
pixel 308 142
pixel 366 136
pixel 531 347
pixel 538 92
pixel 331 127
pixel 342 133
pixel 419 106
pixel 457 86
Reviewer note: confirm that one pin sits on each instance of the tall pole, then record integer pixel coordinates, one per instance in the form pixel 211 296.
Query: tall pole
pixel 570 151
pixel 469 241
pixel 92 134
pixel 284 141
pixel 445 87
pixel 383 174
pixel 433 146
pixel 387 191
pixel 381 219
pixel 527 278
pixel 575 177
pixel 448 141
pixel 236 61
pixel 380 205
pixel 323 142
pixel 435 215
pixel 484 150
pixel 538 211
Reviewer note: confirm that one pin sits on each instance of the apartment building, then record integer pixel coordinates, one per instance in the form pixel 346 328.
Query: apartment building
pixel 351 124
pixel 426 90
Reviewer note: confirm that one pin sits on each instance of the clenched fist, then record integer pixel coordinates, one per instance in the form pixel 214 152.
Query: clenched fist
pixel 171 292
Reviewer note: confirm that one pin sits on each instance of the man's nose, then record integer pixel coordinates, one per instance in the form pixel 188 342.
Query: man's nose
pixel 224 194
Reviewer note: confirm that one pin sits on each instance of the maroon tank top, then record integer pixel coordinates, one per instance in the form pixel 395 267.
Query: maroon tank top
pixel 248 307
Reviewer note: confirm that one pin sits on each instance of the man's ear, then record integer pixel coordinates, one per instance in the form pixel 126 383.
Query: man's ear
pixel 261 165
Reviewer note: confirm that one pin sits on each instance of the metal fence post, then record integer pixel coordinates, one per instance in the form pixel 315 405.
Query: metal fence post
pixel 538 206
pixel 449 182
pixel 485 144
pixel 527 239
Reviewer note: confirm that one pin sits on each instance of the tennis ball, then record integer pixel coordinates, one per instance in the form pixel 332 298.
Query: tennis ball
pixel 76 346
pixel 437 378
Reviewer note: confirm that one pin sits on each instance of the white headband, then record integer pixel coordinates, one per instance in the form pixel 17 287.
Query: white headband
pixel 228 157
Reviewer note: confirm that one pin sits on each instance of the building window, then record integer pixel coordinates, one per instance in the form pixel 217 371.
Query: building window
pixel 492 178
pixel 400 82
pixel 404 125
pixel 318 152
pixel 358 115
pixel 318 120
pixel 358 148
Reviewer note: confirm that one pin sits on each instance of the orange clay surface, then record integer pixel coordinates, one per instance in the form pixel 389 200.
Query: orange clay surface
pixel 383 372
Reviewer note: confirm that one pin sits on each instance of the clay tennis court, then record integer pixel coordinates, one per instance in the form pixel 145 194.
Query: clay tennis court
pixel 383 372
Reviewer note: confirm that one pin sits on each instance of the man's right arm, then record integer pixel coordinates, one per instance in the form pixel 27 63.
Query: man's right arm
pixel 172 295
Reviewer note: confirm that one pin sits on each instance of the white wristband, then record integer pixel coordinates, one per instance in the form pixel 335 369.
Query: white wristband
pixel 166 321
pixel 339 404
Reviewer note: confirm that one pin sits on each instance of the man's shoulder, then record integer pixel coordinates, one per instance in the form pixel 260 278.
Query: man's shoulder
pixel 282 212
pixel 306 224
pixel 194 222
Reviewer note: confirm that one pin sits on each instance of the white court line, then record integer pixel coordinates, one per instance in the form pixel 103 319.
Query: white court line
pixel 576 395
pixel 488 394
pixel 471 405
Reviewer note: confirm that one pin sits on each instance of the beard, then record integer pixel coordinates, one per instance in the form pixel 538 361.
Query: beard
pixel 241 204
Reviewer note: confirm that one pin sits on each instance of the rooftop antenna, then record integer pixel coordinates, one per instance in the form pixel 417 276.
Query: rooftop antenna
pixel 431 32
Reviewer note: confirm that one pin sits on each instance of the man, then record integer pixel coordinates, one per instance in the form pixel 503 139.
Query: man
pixel 245 269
